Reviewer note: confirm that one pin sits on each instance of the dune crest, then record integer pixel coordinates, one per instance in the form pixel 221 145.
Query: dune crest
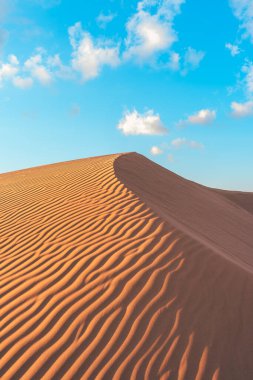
pixel 108 271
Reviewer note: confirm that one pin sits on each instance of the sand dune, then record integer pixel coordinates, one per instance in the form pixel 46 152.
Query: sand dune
pixel 243 200
pixel 115 268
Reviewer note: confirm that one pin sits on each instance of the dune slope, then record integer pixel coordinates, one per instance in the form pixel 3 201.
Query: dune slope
pixel 243 200
pixel 114 268
pixel 201 212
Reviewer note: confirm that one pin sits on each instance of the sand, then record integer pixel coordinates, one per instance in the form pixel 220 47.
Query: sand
pixel 115 268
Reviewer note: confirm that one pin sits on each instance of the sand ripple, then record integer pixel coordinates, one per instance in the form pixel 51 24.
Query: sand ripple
pixel 96 283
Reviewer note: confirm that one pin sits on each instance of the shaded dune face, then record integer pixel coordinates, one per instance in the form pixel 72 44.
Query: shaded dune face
pixel 102 279
pixel 243 200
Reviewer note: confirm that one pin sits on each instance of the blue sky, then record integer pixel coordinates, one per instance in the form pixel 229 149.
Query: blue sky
pixel 170 79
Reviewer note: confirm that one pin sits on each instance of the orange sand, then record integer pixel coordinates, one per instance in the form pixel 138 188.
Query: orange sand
pixel 115 268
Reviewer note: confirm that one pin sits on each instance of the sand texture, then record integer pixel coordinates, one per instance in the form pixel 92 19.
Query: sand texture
pixel 115 268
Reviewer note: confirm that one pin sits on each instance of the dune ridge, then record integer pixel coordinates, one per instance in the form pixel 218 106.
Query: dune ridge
pixel 106 275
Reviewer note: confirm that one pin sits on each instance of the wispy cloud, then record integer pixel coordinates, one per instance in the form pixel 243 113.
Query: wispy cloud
pixel 243 10
pixel 234 49
pixel 247 69
pixel 242 109
pixel 202 117
pixel 192 60
pixel 174 61
pixel 183 142
pixel 60 70
pixel 104 19
pixel 148 123
pixel 22 82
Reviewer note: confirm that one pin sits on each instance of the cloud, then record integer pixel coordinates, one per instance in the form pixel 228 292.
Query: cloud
pixel 174 62
pixel 192 59
pixel 242 109
pixel 104 19
pixel 183 142
pixel 89 56
pixel 37 70
pixel 155 151
pixel 234 49
pixel 243 10
pixel 60 70
pixel 150 29
pixel 9 70
pixel 134 123
pixel 247 69
pixel 37 67
pixel 22 83
pixel 13 60
pixel 202 117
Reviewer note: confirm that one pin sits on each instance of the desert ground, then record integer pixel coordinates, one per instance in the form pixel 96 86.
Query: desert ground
pixel 116 268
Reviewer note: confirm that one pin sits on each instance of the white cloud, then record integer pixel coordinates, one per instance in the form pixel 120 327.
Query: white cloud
pixel 89 56
pixel 150 29
pixel 155 150
pixel 22 83
pixel 22 75
pixel 104 19
pixel 203 117
pixel 242 109
pixel 192 59
pixel 234 49
pixel 181 142
pixel 243 10
pixel 9 70
pixel 37 70
pixel 134 123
